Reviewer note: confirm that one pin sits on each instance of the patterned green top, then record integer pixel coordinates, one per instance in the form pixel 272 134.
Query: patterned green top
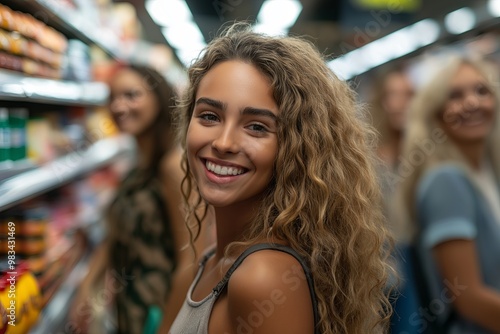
pixel 142 249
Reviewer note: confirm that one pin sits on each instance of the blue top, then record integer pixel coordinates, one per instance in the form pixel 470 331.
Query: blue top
pixel 450 207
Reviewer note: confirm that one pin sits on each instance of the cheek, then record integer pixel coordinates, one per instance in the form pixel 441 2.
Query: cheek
pixel 151 111
pixel 192 141
pixel 451 113
pixel 264 156
pixel 491 105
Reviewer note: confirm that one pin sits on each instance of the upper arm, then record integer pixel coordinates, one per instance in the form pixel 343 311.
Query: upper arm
pixel 268 294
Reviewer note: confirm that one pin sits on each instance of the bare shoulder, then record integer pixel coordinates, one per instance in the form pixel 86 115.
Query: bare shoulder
pixel 269 291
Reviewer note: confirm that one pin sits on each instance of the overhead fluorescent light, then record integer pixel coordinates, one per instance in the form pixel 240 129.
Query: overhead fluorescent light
pixel 426 32
pixel 494 8
pixel 385 49
pixel 269 29
pixel 460 20
pixel 178 27
pixel 277 16
pixel 167 13
pixel 182 34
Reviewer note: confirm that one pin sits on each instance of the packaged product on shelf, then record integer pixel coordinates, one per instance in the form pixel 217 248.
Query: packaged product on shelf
pixel 3 314
pixel 29 45
pixel 4 322
pixel 100 124
pixel 21 299
pixel 10 62
pixel 77 66
pixel 38 133
pixel 31 223
pixel 6 17
pixel 17 124
pixel 4 135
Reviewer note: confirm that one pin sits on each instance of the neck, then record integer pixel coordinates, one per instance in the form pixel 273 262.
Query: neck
pixel 231 224
pixel 391 148
pixel 145 150
pixel 474 153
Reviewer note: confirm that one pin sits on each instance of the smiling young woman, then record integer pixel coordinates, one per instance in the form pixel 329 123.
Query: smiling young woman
pixel 273 145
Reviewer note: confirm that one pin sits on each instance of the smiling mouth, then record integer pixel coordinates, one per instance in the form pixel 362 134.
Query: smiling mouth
pixel 473 121
pixel 121 118
pixel 223 170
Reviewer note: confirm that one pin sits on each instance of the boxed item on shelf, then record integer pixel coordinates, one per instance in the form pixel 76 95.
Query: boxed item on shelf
pixel 77 66
pixel 4 135
pixel 13 134
pixel 29 45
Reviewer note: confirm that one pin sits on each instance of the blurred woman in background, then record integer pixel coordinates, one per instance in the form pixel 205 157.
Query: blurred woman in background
pixel 452 196
pixel 146 249
pixel 392 93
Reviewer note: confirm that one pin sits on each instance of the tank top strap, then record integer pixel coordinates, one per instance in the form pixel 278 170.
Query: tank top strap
pixel 270 246
pixel 206 256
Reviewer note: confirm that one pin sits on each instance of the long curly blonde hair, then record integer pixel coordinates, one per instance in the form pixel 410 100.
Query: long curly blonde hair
pixel 426 144
pixel 323 199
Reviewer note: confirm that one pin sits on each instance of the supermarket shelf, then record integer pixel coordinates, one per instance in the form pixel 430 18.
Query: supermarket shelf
pixel 70 22
pixel 54 313
pixel 18 87
pixel 62 170
pixel 12 168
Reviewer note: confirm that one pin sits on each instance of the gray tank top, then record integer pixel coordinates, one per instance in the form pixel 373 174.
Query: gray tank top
pixel 194 315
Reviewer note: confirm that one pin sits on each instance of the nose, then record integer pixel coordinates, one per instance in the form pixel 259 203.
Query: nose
pixel 227 140
pixel 471 101
pixel 118 105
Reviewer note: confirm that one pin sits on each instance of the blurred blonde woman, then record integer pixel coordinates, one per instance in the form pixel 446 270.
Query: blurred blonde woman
pixel 451 195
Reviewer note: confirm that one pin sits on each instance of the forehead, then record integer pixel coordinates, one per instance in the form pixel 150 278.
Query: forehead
pixel 237 82
pixel 127 78
pixel 397 80
pixel 467 74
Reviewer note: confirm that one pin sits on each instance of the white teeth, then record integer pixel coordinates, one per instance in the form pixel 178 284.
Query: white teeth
pixel 223 170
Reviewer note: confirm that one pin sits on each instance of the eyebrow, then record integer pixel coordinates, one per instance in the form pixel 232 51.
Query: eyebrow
pixel 259 112
pixel 246 111
pixel 213 103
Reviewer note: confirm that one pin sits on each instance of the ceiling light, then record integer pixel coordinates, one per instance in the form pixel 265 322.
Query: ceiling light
pixel 179 35
pixel 179 28
pixel 460 20
pixel 269 29
pixel 385 49
pixel 426 32
pixel 494 7
pixel 277 16
pixel 168 12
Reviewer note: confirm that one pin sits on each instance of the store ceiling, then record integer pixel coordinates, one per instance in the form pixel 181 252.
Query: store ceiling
pixel 333 25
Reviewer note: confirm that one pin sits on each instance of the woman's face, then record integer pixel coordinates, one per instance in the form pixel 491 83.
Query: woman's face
pixel 470 108
pixel 231 139
pixel 398 94
pixel 133 104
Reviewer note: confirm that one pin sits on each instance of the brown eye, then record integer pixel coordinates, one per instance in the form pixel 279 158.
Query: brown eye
pixel 455 94
pixel 132 94
pixel 482 90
